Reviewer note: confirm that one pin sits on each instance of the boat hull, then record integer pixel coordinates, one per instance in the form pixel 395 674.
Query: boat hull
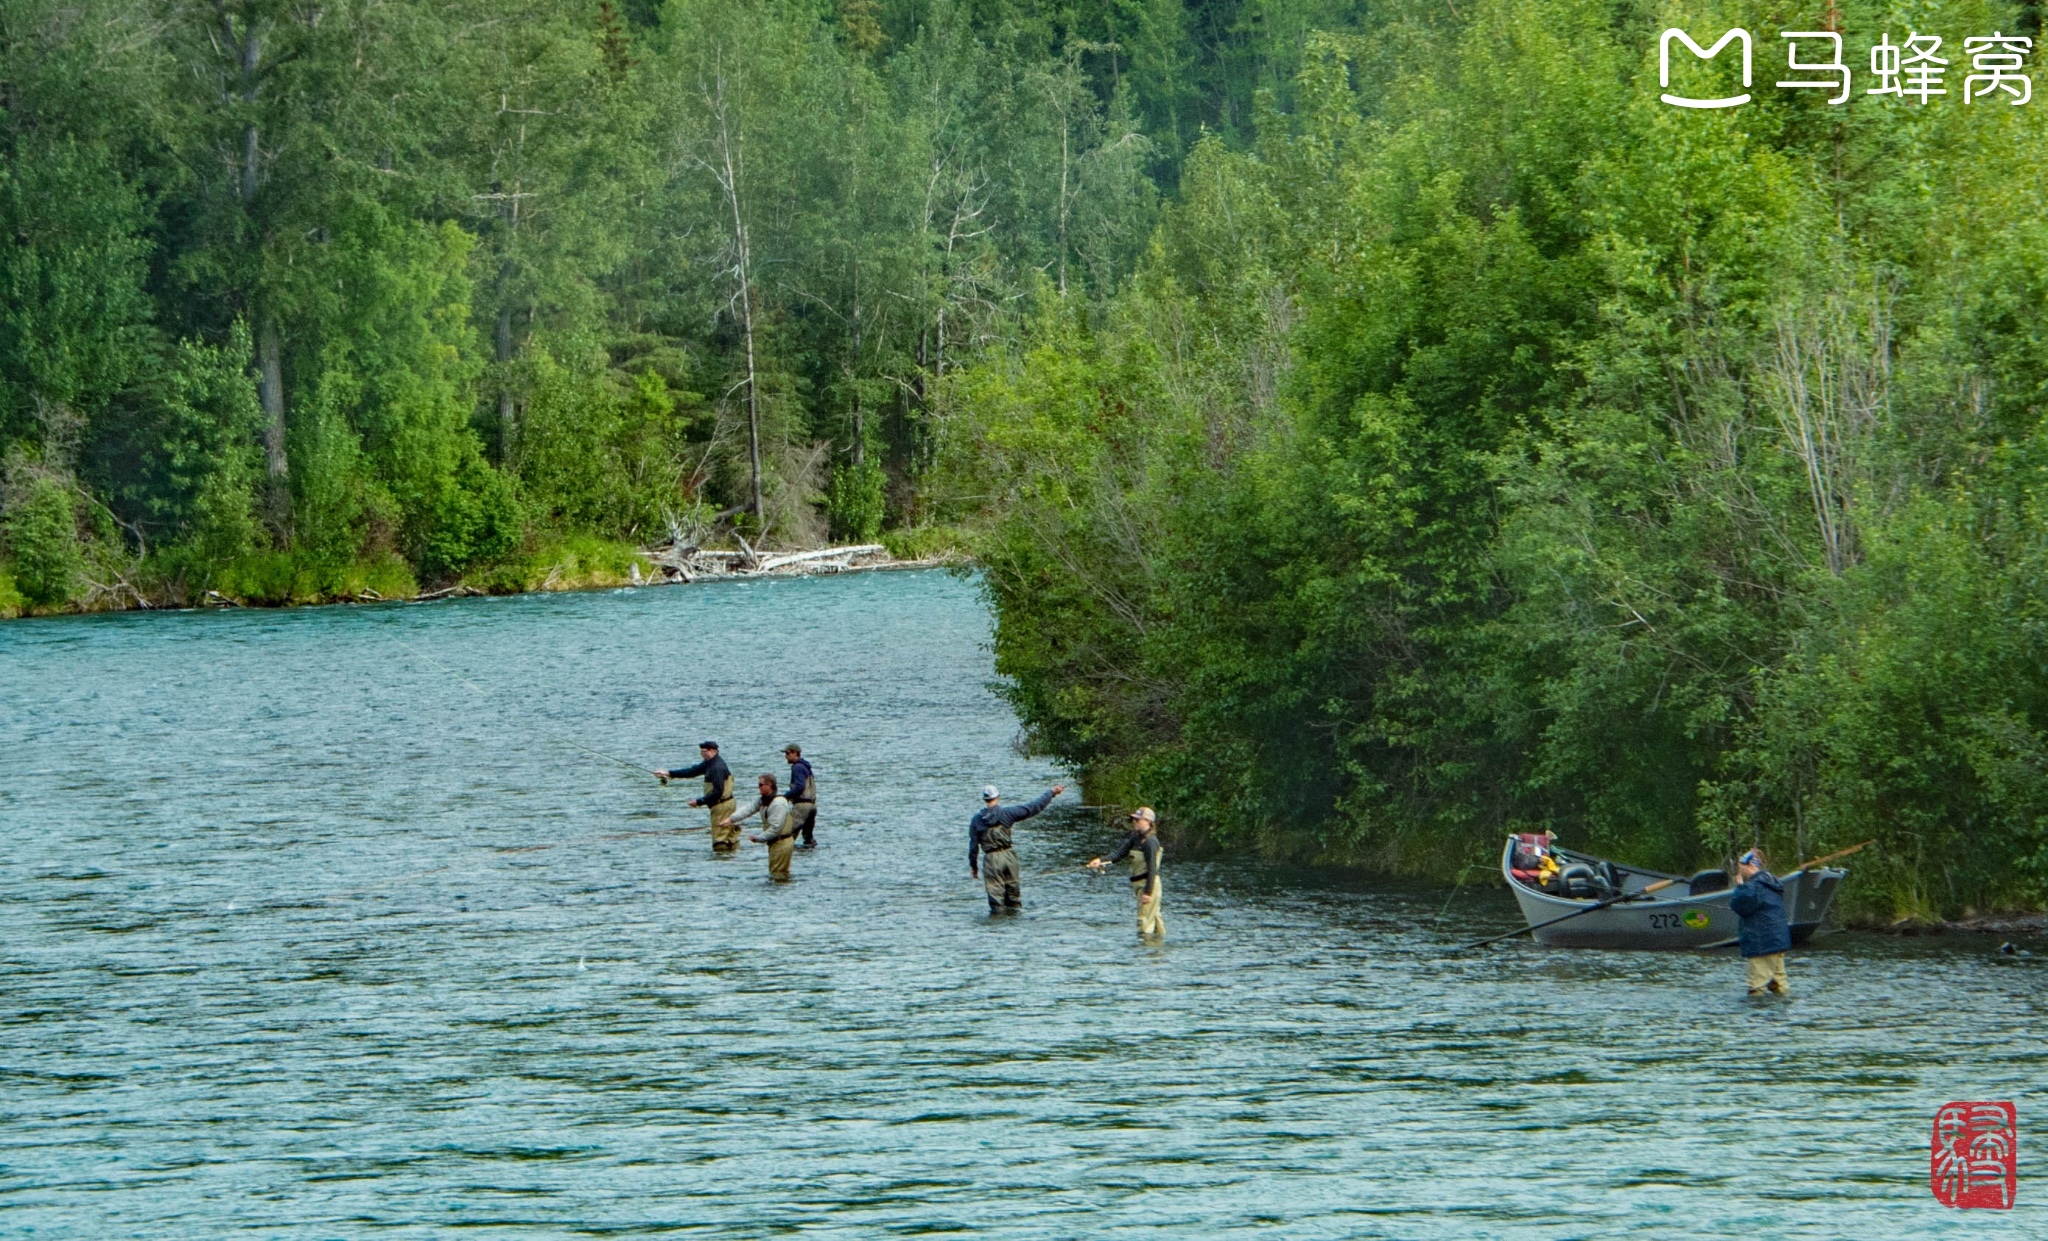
pixel 1685 922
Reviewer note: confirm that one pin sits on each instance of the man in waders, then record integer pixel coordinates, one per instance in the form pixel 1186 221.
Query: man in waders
pixel 1143 848
pixel 781 824
pixel 803 794
pixel 989 856
pixel 717 794
pixel 1759 900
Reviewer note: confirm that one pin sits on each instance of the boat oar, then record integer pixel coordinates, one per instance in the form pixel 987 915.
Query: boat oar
pixel 1658 886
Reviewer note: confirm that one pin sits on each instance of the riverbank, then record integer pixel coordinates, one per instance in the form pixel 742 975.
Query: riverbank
pixel 281 579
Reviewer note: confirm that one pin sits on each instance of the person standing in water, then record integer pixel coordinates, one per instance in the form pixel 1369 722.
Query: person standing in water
pixel 780 836
pixel 1765 935
pixel 989 854
pixel 803 794
pixel 1142 847
pixel 717 794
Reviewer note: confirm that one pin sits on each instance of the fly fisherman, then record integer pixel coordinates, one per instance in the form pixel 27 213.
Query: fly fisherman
pixel 780 836
pixel 1759 900
pixel 717 794
pixel 989 856
pixel 803 794
pixel 1143 848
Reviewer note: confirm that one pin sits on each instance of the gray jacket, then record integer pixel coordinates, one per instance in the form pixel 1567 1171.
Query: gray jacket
pixel 774 815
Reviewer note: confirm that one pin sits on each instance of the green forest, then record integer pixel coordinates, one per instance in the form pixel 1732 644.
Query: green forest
pixel 1377 427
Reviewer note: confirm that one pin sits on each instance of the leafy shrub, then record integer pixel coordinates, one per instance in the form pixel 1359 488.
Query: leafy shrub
pixel 475 521
pixel 562 564
pixel 42 537
pixel 923 542
pixel 856 500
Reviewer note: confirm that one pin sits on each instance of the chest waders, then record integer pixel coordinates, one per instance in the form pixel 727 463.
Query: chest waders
pixel 999 874
pixel 806 811
pixel 723 839
pixel 782 847
pixel 1150 920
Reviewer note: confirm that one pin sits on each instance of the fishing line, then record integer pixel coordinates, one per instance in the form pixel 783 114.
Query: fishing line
pixel 1455 889
pixel 548 733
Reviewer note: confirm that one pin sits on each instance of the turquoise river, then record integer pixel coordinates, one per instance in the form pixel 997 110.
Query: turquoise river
pixel 319 924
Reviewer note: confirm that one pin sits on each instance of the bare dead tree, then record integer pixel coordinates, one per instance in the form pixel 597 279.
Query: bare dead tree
pixel 726 163
pixel 1827 383
pixel 510 196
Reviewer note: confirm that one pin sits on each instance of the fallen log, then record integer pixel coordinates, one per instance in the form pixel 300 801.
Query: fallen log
pixel 458 590
pixel 850 553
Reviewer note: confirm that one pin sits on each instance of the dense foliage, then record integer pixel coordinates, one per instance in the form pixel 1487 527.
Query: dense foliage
pixel 1489 446
pixel 302 299
pixel 1386 426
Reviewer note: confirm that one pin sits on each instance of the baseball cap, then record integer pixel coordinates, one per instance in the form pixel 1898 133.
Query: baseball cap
pixel 988 792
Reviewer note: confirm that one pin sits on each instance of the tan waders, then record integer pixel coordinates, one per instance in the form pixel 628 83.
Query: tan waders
pixel 999 876
pixel 724 839
pixel 1767 973
pixel 804 819
pixel 779 854
pixel 1151 921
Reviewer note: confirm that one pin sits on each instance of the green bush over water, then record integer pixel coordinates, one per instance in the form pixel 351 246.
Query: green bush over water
pixel 1488 446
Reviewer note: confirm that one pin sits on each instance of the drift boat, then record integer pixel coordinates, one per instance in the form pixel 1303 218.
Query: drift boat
pixel 1690 913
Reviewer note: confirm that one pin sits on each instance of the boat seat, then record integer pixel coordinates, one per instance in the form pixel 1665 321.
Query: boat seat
pixel 1584 882
pixel 1708 881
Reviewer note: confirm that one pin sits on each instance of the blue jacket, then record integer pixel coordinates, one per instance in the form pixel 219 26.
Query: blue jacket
pixel 989 829
pixel 1760 903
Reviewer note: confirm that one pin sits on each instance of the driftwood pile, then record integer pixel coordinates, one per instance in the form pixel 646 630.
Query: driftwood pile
pixel 685 562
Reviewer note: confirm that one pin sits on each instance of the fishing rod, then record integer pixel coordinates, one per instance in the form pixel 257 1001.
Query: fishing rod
pixel 1839 853
pixel 545 732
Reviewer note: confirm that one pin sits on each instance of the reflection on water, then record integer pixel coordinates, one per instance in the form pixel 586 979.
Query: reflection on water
pixel 301 934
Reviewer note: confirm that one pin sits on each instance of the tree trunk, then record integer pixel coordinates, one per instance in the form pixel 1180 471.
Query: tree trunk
pixel 505 406
pixel 753 403
pixel 252 152
pixel 270 391
pixel 252 148
pixel 1064 127
pixel 728 175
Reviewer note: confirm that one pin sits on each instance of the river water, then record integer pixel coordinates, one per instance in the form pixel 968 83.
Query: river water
pixel 315 924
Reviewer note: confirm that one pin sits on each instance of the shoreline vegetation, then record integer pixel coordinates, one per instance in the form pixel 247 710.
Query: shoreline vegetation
pixel 585 563
pixel 1377 428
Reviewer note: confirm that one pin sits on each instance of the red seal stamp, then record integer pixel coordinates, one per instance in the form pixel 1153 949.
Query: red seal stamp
pixel 1976 1155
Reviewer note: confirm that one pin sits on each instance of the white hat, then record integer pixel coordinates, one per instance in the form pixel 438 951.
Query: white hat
pixel 988 792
